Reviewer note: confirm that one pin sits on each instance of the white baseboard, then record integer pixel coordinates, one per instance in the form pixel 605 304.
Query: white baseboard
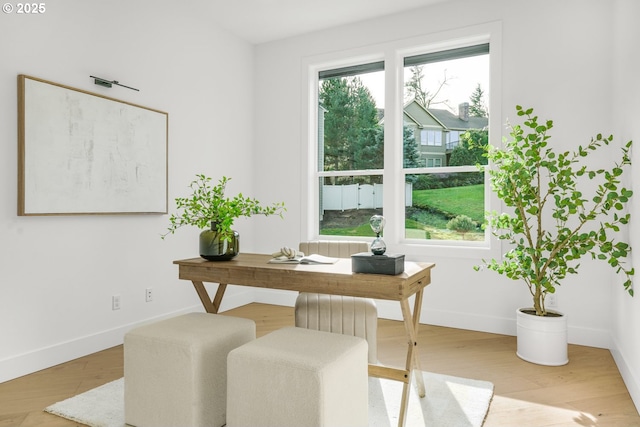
pixel 451 319
pixel 46 357
pixel 474 322
pixel 590 337
pixel 631 379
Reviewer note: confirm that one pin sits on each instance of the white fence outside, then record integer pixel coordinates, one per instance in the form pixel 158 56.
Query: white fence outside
pixel 358 196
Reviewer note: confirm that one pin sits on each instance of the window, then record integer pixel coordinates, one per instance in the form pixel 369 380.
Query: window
pixel 431 137
pixel 434 162
pixel 397 133
pixel 453 139
pixel 447 88
pixel 350 149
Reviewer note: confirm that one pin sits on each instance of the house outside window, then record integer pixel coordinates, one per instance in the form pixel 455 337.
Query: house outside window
pixel 444 125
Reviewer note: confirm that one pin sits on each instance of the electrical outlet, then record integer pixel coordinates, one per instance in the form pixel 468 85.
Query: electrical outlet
pixel 115 302
pixel 551 301
pixel 149 295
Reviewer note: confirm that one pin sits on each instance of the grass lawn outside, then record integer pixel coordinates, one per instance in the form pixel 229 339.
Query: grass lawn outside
pixel 361 230
pixel 467 200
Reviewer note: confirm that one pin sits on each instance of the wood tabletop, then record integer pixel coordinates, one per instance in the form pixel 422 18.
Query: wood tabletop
pixel 337 279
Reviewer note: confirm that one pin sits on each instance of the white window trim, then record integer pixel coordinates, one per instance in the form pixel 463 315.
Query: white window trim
pixel 393 53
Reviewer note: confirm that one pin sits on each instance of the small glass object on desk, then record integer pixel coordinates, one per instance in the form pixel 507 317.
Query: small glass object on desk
pixel 377 223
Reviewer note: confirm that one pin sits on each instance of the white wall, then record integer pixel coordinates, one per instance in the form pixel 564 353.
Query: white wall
pixel 57 274
pixel 626 110
pixel 556 57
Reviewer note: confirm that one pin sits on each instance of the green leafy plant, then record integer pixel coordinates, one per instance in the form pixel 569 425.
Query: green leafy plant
pixel 462 224
pixel 207 204
pixel 554 223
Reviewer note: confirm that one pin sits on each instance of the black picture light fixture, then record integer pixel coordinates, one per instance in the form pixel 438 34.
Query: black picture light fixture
pixel 109 83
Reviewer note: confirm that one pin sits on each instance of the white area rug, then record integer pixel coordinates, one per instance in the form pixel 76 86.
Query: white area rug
pixel 450 402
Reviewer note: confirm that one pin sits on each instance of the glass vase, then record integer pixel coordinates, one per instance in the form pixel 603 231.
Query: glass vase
pixel 213 248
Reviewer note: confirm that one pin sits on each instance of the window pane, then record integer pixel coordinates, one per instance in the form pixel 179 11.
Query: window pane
pixel 446 103
pixel 350 131
pixel 446 95
pixel 445 206
pixel 348 202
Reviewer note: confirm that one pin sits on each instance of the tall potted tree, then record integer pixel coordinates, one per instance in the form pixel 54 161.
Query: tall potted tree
pixel 559 211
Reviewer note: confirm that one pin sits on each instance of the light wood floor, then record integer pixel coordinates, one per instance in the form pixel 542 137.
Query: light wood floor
pixel 589 391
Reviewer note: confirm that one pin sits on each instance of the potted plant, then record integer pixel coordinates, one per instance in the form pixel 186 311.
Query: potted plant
pixel 209 209
pixel 560 211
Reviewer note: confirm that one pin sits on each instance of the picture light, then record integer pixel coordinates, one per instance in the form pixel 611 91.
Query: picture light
pixel 109 83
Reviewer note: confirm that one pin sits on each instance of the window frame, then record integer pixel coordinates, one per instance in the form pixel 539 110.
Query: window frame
pixel 393 54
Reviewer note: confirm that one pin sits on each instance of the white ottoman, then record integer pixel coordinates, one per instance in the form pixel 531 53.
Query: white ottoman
pixel 297 377
pixel 175 370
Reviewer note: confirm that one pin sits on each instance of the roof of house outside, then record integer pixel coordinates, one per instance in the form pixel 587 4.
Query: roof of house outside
pixel 451 121
pixel 436 117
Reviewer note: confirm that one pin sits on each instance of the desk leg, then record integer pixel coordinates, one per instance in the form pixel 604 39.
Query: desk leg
pixel 210 306
pixel 411 323
pixel 417 308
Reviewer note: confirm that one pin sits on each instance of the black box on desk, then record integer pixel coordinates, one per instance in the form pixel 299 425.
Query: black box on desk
pixel 367 262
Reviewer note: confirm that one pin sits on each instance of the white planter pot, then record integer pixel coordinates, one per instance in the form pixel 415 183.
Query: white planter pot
pixel 542 340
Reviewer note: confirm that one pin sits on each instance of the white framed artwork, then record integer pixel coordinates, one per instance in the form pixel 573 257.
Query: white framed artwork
pixel 81 153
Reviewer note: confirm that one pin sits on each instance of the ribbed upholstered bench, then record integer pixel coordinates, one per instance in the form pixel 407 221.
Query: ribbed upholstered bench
pixel 175 370
pixel 297 377
pixel 335 313
pixel 343 315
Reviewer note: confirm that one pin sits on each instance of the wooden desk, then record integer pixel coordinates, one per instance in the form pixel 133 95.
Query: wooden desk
pixel 336 279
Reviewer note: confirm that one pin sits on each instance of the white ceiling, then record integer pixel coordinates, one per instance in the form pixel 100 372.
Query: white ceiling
pixel 260 21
